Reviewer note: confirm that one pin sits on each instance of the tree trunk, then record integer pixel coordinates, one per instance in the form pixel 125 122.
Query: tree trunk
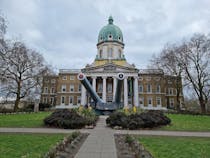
pixel 178 90
pixel 178 104
pixel 17 100
pixel 203 105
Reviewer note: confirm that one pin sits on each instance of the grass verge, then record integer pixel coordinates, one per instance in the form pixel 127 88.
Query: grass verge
pixel 180 122
pixel 27 145
pixel 23 120
pixel 177 147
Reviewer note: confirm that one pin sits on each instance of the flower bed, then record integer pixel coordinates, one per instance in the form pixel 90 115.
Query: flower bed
pixel 128 147
pixel 68 147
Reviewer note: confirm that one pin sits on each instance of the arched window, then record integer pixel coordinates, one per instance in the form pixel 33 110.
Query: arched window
pixel 119 38
pixel 100 53
pixel 110 53
pixel 120 53
pixel 110 36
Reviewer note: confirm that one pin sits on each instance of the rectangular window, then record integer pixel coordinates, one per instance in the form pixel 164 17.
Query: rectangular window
pixel 149 88
pixel 109 88
pixel 45 89
pixel 149 100
pixel 51 100
pixel 141 101
pixel 62 100
pixel 72 77
pixel 53 81
pixel 158 88
pixel 44 99
pixel 71 88
pixel 175 91
pixel 63 88
pixel 170 91
pixel 64 78
pixel 100 87
pixel 71 100
pixel 158 101
pixel 79 88
pixel 171 103
pixel 141 88
pixel 78 100
pixel 52 90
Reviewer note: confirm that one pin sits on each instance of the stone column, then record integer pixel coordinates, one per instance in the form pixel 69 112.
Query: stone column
pixel 104 89
pixel 94 83
pixel 83 96
pixel 125 92
pixel 136 93
pixel 114 86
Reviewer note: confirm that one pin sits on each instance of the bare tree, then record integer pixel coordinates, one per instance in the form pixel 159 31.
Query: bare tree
pixel 3 26
pixel 23 70
pixel 3 47
pixel 196 65
pixel 169 61
pixel 190 60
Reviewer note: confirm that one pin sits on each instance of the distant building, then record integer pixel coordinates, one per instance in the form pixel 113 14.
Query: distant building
pixel 149 89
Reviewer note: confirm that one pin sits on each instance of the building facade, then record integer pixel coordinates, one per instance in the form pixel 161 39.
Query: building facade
pixel 148 88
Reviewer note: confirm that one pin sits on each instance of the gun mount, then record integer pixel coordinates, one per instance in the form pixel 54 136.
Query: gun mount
pixel 99 104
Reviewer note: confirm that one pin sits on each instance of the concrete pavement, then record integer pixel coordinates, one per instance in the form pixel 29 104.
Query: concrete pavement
pixel 100 143
pixel 136 132
pixel 35 130
pixel 164 133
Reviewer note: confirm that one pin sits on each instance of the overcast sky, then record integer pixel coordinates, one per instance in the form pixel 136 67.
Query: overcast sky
pixel 66 31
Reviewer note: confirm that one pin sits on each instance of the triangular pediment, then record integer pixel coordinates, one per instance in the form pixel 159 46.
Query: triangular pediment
pixel 109 67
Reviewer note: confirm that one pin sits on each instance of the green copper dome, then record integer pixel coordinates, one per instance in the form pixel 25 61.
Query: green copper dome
pixel 110 32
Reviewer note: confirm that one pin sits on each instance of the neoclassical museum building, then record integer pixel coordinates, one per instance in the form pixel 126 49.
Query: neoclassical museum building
pixel 146 88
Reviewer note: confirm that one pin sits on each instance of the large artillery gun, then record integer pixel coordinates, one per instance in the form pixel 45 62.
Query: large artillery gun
pixel 100 105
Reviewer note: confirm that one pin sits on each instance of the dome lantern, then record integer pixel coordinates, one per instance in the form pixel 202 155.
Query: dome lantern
pixel 110 32
pixel 110 20
pixel 110 42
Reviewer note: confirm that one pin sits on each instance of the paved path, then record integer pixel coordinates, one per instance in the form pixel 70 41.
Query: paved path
pixel 164 133
pixel 35 130
pixel 139 132
pixel 100 143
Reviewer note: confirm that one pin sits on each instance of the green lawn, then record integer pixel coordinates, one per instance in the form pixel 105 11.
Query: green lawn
pixel 27 145
pixel 179 122
pixel 177 147
pixel 23 120
pixel 188 123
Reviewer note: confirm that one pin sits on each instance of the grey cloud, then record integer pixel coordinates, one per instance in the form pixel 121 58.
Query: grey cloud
pixel 65 32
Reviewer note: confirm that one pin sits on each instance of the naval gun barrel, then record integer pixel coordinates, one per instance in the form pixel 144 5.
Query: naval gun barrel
pixel 118 92
pixel 83 79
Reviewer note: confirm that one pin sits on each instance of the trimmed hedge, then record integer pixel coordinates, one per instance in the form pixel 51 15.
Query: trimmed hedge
pixel 148 119
pixel 67 119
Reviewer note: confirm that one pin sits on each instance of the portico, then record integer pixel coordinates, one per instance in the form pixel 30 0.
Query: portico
pixel 104 83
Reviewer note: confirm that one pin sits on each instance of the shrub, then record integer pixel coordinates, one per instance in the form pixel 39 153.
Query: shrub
pixel 28 108
pixel 135 120
pixel 117 119
pixel 68 119
pixel 65 119
pixel 89 114
pixel 148 119
pixel 43 106
pixel 129 139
